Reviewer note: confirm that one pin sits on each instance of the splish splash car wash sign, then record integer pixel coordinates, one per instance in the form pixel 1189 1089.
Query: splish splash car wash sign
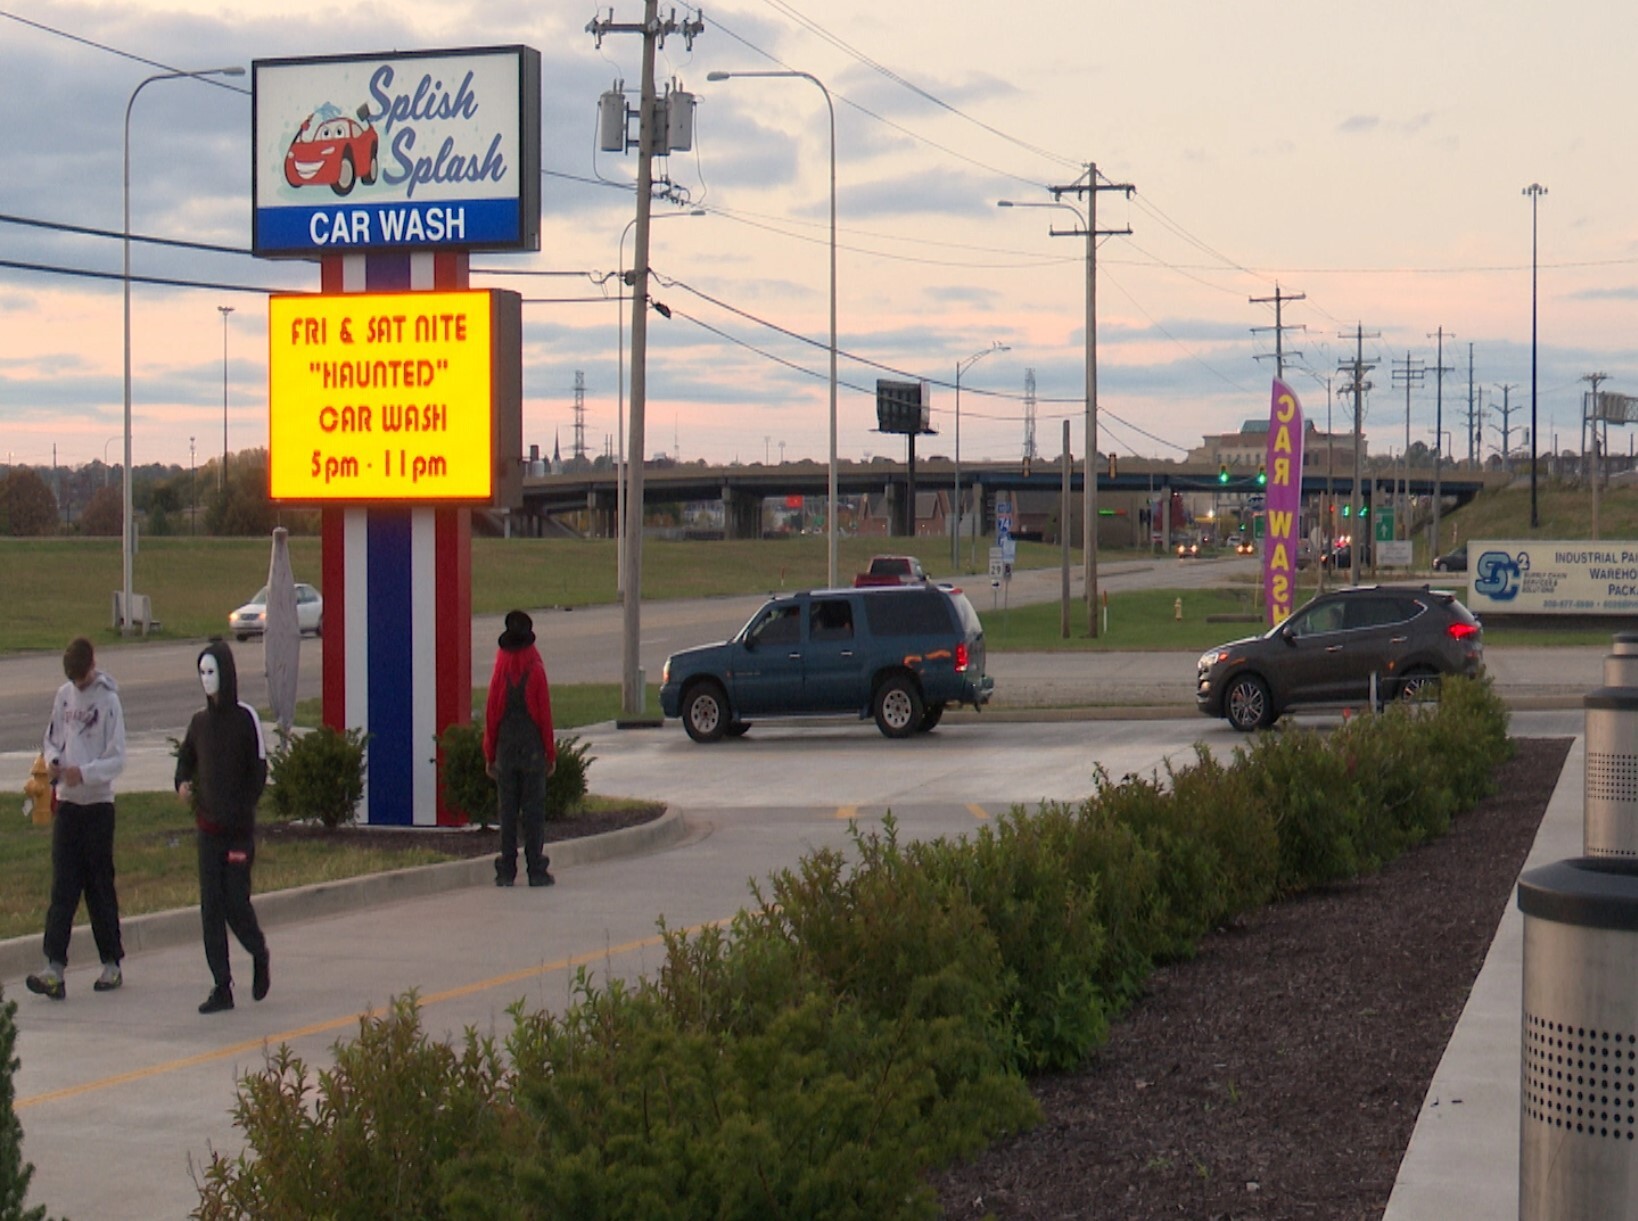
pixel 416 151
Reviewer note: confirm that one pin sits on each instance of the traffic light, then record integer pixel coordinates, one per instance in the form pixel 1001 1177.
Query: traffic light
pixel 1222 473
pixel 1348 510
pixel 1365 510
pixel 1026 466
pixel 1111 464
pixel 1262 476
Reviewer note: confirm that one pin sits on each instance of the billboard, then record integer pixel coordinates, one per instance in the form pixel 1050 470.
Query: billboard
pixel 395 397
pixel 902 407
pixel 1533 577
pixel 422 150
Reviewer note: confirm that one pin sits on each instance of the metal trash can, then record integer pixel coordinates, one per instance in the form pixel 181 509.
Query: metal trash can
pixel 1578 1113
pixel 1621 664
pixel 1610 827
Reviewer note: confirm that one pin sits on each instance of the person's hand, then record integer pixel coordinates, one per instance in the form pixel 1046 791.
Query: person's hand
pixel 72 776
pixel 551 766
pixel 184 791
pixel 490 770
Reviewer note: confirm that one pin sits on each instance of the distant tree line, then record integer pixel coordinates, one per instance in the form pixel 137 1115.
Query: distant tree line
pixel 166 500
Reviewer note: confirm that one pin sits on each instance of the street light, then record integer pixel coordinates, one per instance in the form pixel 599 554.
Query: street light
pixel 1089 477
pixel 830 510
pixel 1535 191
pixel 221 479
pixel 955 537
pixel 128 544
pixel 620 409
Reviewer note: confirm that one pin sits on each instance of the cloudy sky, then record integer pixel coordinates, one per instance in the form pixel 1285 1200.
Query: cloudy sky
pixel 1367 160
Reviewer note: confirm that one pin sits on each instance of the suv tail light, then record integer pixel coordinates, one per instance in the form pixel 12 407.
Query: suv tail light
pixel 1461 631
pixel 961 657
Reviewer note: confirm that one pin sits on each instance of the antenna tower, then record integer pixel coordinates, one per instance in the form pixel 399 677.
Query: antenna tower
pixel 1029 415
pixel 579 449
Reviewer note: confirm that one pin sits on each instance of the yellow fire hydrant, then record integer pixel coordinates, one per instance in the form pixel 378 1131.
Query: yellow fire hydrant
pixel 37 795
pixel 1177 610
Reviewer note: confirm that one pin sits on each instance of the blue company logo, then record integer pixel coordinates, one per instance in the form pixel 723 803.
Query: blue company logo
pixel 1499 576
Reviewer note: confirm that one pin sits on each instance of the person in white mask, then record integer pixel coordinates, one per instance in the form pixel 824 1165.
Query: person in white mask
pixel 221 770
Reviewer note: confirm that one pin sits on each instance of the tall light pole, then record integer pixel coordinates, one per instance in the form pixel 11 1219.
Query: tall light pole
pixel 193 491
pixel 620 409
pixel 221 478
pixel 1535 191
pixel 128 544
pixel 955 536
pixel 830 508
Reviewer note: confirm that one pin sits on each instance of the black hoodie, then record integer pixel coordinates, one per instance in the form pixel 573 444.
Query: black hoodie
pixel 224 754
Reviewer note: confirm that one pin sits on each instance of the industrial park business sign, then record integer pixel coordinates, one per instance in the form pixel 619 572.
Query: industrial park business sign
pixel 394 397
pixel 1540 577
pixel 421 150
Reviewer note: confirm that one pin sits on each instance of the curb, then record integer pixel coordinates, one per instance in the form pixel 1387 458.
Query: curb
pixel 180 926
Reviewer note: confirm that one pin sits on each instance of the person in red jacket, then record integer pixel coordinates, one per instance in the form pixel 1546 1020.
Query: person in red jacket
pixel 519 750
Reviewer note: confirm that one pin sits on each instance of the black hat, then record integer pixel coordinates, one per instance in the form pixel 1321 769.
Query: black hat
pixel 519 633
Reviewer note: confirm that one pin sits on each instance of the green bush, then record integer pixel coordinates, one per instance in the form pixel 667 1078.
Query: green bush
pixel 866 1019
pixel 15 1173
pixel 318 774
pixel 468 788
pixel 466 784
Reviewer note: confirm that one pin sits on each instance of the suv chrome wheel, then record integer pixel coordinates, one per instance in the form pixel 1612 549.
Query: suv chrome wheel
pixel 705 712
pixel 898 707
pixel 1246 704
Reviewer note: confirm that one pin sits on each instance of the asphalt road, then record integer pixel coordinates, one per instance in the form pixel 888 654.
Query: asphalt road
pixel 159 693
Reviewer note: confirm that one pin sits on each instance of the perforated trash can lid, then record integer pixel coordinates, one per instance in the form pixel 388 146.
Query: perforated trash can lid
pixel 1584 891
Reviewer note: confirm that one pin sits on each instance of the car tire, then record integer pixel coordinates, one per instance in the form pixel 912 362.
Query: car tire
pixel 374 171
pixel 1246 704
pixel 1418 685
pixel 931 717
pixel 705 712
pixel 346 175
pixel 738 729
pixel 898 707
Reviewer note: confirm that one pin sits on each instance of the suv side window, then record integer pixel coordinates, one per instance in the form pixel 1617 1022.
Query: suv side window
pixel 912 612
pixel 830 619
pixel 1326 617
pixel 783 625
pixel 1374 612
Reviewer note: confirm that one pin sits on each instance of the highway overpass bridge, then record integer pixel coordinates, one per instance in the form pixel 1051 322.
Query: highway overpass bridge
pixel 589 496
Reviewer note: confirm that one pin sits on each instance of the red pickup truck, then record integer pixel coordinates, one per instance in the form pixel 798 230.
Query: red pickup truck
pixel 891 570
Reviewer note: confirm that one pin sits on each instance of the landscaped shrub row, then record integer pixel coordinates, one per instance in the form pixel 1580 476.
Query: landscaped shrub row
pixel 868 1017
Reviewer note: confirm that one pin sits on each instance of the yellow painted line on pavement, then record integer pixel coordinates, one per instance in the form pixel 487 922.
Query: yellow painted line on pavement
pixel 302 1032
pixel 978 812
pixel 847 812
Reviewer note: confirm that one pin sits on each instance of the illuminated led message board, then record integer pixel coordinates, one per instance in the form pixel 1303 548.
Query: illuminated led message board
pixel 394 397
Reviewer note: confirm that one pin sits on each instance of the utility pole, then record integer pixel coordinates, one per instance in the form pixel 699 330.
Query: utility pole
pixel 1359 385
pixel 1597 463
pixel 1410 375
pixel 1439 370
pixel 1279 329
pixel 654 32
pixel 1471 413
pixel 1088 187
pixel 1506 410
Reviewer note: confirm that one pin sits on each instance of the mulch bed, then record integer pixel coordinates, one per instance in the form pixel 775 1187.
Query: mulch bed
pixel 458 841
pixel 1279 1073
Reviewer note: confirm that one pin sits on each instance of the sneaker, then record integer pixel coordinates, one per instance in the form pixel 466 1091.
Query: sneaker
pixel 220 998
pixel 109 979
pixel 543 878
pixel 48 983
pixel 264 976
pixel 503 881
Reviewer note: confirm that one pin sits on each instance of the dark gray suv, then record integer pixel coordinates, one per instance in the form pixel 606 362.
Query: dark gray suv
pixel 1327 652
pixel 901 654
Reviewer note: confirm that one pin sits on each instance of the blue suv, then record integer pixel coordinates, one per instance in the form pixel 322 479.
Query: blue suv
pixel 901 655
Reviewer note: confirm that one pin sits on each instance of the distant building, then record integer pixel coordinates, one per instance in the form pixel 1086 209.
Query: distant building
pixel 1246 450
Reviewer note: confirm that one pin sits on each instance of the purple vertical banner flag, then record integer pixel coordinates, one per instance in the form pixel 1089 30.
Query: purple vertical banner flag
pixel 1284 501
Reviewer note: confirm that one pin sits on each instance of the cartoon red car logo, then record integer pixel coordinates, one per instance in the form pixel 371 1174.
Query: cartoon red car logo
pixel 334 151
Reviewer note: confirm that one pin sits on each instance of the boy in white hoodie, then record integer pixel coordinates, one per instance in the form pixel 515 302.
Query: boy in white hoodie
pixel 84 748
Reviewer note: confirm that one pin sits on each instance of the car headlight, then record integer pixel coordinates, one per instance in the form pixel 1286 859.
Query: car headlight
pixel 665 672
